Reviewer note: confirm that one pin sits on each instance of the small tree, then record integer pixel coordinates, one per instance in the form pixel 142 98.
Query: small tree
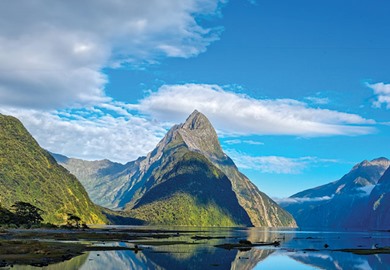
pixel 26 213
pixel 73 220
pixel 6 216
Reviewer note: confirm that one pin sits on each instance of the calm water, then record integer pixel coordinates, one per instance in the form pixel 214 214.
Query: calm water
pixel 298 250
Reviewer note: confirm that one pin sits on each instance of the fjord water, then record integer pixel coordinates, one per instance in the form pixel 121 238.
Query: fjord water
pixel 298 250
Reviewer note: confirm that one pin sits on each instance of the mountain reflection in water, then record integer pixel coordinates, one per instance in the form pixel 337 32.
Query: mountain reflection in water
pixel 198 254
pixel 298 250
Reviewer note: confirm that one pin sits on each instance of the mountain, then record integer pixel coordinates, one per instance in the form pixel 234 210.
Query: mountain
pixel 105 181
pixel 379 204
pixel 186 180
pixel 343 203
pixel 28 173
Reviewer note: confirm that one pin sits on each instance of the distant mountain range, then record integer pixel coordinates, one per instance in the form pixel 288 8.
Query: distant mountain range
pixel 186 180
pixel 28 173
pixel 359 200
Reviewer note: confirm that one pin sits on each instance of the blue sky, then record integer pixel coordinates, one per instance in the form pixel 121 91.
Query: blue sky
pixel 299 91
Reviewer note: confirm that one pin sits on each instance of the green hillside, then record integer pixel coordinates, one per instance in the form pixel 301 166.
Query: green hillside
pixel 180 197
pixel 28 173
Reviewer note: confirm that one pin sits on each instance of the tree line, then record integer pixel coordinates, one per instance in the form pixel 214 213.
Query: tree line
pixel 24 214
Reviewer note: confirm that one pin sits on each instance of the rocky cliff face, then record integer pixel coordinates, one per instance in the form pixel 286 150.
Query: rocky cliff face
pixel 343 203
pixel 28 173
pixel 188 167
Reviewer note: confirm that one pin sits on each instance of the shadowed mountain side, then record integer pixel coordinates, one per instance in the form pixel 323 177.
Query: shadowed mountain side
pixel 344 203
pixel 30 174
pixel 378 208
pixel 182 199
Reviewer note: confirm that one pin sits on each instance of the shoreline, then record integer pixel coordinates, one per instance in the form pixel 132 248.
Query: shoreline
pixel 42 247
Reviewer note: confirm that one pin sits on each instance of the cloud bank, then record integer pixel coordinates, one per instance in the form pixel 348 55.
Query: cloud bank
pixel 291 200
pixel 240 114
pixel 122 132
pixel 91 133
pixel 52 52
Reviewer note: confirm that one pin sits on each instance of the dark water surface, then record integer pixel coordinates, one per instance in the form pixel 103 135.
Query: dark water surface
pixel 298 250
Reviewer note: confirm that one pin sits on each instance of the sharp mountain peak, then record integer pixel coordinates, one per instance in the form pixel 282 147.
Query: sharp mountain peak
pixel 197 120
pixel 200 136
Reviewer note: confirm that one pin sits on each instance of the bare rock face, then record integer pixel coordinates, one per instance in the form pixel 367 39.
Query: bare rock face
pixel 189 165
pixel 200 136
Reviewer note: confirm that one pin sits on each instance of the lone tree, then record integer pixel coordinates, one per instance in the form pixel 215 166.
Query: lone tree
pixel 73 220
pixel 26 213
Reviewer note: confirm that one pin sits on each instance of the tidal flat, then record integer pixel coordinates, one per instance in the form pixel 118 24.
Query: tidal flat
pixel 138 247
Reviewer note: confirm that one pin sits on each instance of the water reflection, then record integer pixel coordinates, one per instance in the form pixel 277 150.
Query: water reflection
pixel 298 250
pixel 330 258
pixel 195 254
pixel 341 260
pixel 73 264
pixel 279 261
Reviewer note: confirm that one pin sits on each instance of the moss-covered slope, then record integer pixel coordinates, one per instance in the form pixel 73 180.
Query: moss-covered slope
pixel 28 173
pixel 191 192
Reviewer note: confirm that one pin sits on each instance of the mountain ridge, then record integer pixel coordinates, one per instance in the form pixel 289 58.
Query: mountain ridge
pixel 30 174
pixel 343 203
pixel 187 143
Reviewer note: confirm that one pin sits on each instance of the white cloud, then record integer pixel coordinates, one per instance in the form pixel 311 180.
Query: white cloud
pixel 111 129
pixel 91 133
pixel 237 141
pixel 318 100
pixel 52 52
pixel 366 190
pixel 252 142
pixel 240 114
pixel 382 93
pixel 291 200
pixel 275 164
